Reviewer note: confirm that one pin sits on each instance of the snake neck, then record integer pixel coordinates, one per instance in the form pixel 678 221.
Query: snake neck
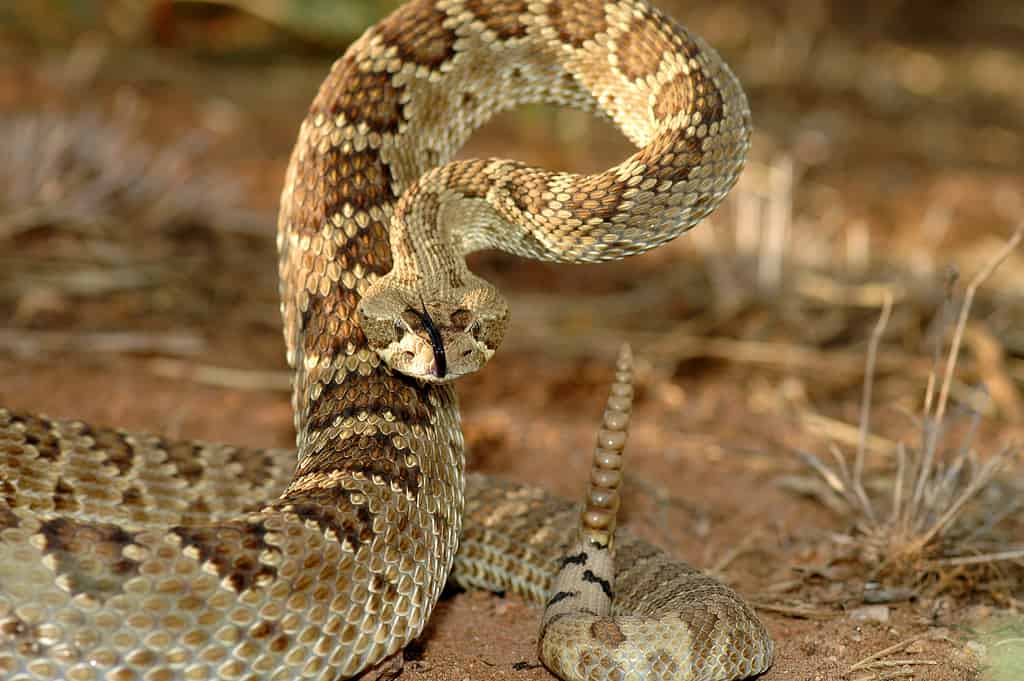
pixel 370 193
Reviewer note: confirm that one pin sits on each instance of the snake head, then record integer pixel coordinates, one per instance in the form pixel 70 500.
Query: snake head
pixel 434 334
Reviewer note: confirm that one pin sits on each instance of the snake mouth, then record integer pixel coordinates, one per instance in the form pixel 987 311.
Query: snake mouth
pixel 436 344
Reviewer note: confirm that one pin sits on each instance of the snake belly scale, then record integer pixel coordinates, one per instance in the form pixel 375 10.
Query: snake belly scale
pixel 126 556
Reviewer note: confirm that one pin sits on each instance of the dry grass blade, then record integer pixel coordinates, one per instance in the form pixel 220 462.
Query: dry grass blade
pixel 38 345
pixel 899 663
pixel 965 311
pixel 894 648
pixel 984 558
pixel 223 377
pixel 799 611
pixel 850 485
pixel 842 433
pixel 865 409
pixel 974 484
pixel 901 476
pixel 83 171
pixel 926 529
pixel 927 422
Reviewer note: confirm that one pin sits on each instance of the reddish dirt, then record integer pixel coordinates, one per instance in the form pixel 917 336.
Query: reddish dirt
pixel 710 440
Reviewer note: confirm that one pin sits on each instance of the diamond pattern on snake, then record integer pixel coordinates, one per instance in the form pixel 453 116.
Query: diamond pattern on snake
pixel 131 556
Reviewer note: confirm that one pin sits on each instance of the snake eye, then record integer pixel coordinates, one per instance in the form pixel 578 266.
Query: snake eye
pixel 461 318
pixel 399 330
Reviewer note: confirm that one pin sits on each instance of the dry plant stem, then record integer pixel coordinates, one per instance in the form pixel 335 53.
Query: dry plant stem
pixel 899 663
pixel 1017 555
pixel 844 472
pixel 994 519
pixel 841 433
pixel 749 543
pixel 978 481
pixel 897 492
pixel 965 450
pixel 944 486
pixel 929 495
pixel 834 481
pixel 865 407
pixel 798 611
pixel 896 647
pixel 840 480
pixel 222 377
pixel 933 424
pixel 927 423
pixel 939 332
pixel 814 488
pixel 965 310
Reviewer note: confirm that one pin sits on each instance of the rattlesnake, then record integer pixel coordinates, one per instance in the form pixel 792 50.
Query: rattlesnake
pixel 128 556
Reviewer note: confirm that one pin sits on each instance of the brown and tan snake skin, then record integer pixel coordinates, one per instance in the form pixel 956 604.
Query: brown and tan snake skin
pixel 131 557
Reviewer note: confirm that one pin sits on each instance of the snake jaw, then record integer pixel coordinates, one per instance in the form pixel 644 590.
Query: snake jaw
pixel 433 352
pixel 434 336
pixel 436 341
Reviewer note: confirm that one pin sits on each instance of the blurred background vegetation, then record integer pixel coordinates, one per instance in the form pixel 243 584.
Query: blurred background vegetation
pixel 888 137
pixel 142 149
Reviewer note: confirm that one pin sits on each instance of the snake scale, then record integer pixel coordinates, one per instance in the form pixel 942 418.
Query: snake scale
pixel 126 556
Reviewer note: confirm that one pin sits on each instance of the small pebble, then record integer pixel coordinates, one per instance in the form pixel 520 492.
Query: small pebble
pixel 870 613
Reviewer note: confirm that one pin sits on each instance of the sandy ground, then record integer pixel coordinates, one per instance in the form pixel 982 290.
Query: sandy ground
pixel 880 147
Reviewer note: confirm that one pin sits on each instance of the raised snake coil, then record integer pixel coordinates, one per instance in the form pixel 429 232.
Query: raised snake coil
pixel 127 556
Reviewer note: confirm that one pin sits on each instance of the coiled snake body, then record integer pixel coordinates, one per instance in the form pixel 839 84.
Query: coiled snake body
pixel 127 556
